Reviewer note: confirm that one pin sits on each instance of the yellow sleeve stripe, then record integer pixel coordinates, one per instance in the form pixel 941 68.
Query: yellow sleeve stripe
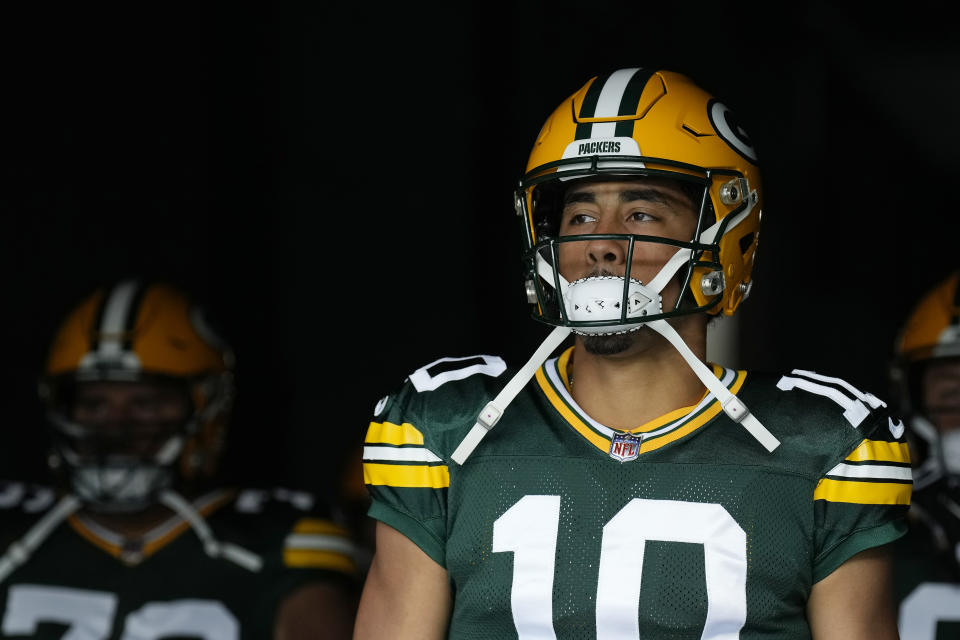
pixel 396 434
pixel 863 492
pixel 880 451
pixel 397 475
pixel 311 559
pixel 318 526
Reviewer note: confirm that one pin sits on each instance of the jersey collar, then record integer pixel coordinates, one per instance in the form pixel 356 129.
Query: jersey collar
pixel 133 551
pixel 554 382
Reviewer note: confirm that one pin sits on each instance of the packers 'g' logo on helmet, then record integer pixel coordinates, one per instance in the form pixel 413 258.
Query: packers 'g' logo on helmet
pixel 645 123
pixel 151 345
pixel 730 130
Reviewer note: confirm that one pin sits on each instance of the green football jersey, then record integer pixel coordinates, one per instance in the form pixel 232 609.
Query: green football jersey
pixel 686 527
pixel 927 580
pixel 87 582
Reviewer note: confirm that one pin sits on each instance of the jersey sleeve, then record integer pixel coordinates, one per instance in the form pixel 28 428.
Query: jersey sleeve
pixel 300 543
pixel 405 474
pixel 862 501
pixel 319 543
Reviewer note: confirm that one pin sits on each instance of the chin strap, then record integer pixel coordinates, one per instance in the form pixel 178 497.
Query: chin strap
pixel 21 550
pixel 732 405
pixel 494 409
pixel 213 547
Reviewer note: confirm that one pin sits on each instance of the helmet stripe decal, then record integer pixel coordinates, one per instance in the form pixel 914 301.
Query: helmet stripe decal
pixel 589 106
pixel 628 104
pixel 616 94
pixel 132 314
pixel 955 316
pixel 114 318
pixel 97 322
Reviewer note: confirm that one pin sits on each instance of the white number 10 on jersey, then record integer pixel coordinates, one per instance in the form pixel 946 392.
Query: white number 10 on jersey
pixel 529 529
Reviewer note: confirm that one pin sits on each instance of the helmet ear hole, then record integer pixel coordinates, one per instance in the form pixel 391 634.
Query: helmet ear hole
pixel 546 296
pixel 545 229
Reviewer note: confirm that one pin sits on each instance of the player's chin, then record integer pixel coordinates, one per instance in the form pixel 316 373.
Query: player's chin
pixel 607 345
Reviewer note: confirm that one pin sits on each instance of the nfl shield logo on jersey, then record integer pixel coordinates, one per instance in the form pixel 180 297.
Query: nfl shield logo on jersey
pixel 625 447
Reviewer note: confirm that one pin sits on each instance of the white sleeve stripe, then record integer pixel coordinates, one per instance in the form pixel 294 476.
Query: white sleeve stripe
pixel 492 366
pixel 876 471
pixel 406 454
pixel 318 542
pixel 786 383
pixel 869 398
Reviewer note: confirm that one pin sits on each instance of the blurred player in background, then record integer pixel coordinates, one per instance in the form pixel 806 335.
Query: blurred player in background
pixel 136 538
pixel 926 382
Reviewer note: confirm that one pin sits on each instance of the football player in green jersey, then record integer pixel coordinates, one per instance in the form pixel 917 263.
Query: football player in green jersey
pixel 926 377
pixel 139 540
pixel 625 488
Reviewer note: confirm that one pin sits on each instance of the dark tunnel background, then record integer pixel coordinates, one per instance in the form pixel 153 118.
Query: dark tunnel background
pixel 335 183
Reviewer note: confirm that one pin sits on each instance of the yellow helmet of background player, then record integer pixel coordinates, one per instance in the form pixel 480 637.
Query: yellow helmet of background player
pixel 930 334
pixel 933 327
pixel 639 122
pixel 139 332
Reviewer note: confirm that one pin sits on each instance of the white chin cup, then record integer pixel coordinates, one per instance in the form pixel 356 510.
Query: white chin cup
pixel 119 487
pixel 950 449
pixel 600 298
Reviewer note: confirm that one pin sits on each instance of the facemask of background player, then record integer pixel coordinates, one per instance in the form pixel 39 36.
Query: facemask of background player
pixel 120 439
pixel 941 406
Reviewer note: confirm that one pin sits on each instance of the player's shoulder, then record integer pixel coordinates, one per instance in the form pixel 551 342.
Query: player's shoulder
pixel 823 415
pixel 271 508
pixel 297 527
pixel 814 401
pixel 438 400
pixel 22 503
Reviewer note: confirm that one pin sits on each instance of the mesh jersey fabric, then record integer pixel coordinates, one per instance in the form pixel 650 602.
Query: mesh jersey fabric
pixel 702 533
pixel 926 581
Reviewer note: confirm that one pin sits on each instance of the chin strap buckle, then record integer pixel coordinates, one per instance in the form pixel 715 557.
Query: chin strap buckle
pixel 489 416
pixel 491 413
pixel 735 409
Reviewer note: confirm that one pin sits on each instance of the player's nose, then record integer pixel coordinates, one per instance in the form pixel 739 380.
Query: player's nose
pixel 606 251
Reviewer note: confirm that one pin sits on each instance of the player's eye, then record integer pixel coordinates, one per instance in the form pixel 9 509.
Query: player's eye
pixel 945 393
pixel 642 216
pixel 580 218
pixel 90 407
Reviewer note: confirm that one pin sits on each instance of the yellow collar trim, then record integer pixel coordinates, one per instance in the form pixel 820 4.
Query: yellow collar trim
pixel 152 541
pixel 694 418
pixel 562 363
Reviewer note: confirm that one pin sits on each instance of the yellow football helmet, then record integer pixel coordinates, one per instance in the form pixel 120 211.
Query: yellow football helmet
pixel 148 333
pixel 933 328
pixel 639 122
pixel 931 334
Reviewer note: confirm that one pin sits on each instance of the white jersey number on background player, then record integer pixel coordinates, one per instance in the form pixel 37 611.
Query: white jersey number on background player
pixel 89 615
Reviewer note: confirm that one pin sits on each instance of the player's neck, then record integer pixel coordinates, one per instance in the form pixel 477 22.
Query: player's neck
pixel 649 379
pixel 132 525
